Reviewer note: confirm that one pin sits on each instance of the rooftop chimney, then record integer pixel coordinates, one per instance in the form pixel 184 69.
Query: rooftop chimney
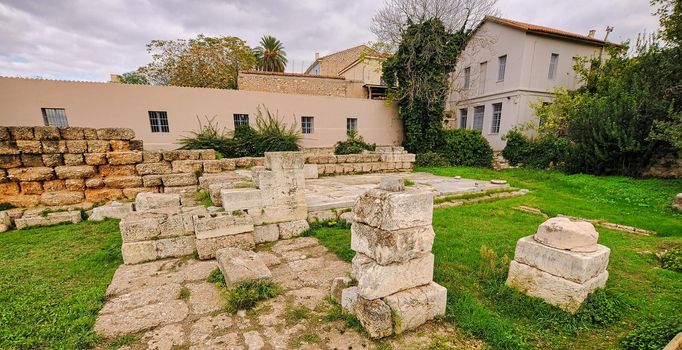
pixel 317 55
pixel 115 78
pixel 591 33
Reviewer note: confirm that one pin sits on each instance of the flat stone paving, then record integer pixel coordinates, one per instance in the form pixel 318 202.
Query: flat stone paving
pixel 145 300
pixel 341 191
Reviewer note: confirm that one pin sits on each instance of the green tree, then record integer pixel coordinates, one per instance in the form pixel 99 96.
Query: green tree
pixel 212 62
pixel 271 55
pixel 134 77
pixel 417 79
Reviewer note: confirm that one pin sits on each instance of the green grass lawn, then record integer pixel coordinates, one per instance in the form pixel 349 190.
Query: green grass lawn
pixel 52 284
pixel 638 289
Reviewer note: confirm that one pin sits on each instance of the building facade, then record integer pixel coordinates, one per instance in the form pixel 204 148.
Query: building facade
pixel 160 115
pixel 507 66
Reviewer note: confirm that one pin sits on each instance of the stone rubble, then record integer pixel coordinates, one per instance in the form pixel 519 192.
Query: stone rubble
pixel 393 265
pixel 562 263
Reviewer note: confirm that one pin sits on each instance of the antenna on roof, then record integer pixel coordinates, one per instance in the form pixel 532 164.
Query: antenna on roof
pixel 609 29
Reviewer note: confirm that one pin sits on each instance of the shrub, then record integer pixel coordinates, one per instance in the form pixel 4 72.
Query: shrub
pixel 467 147
pixel 431 159
pixel 516 150
pixel 652 335
pixel 672 259
pixel 539 153
pixel 269 135
pixel 245 295
pixel 353 144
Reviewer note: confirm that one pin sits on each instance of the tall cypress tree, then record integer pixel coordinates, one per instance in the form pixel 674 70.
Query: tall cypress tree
pixel 417 76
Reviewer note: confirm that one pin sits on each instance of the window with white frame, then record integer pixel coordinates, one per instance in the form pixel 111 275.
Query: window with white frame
pixel 158 120
pixel 467 77
pixel 478 117
pixel 497 118
pixel 54 117
pixel 307 125
pixel 351 124
pixel 553 64
pixel 463 115
pixel 502 60
pixel 240 119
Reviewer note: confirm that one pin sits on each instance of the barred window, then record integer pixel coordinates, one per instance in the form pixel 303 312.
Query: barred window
pixel 240 119
pixel 158 120
pixel 497 118
pixel 478 117
pixel 463 115
pixel 351 124
pixel 54 117
pixel 307 125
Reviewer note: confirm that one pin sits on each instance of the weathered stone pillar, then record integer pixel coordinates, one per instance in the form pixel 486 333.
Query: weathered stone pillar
pixel 562 263
pixel 392 237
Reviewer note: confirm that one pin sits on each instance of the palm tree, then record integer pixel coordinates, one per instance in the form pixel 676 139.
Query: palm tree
pixel 270 54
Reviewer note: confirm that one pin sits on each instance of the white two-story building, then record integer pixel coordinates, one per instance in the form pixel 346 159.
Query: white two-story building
pixel 506 66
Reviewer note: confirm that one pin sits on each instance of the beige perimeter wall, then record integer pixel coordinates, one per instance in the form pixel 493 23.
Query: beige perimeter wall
pixel 101 105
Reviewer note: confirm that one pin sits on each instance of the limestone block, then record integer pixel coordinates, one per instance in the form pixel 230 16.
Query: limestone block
pixel 394 210
pixel 391 184
pixel 32 160
pixel 124 158
pixel 132 192
pixel 151 180
pixel 9 147
pixel 21 132
pixel 281 213
pixel 117 170
pixel 557 291
pixel 292 228
pixel 214 191
pixel 90 133
pixel 207 154
pixel 175 247
pixel 31 187
pixel 575 266
pixel 227 164
pixel 49 219
pixel 187 166
pixel 181 190
pixel 23 201
pixel 321 215
pixel 77 146
pixel 413 307
pixel 94 182
pixel 73 159
pixel 240 198
pixel 5 221
pixel 375 317
pixel 8 161
pixel 284 160
pixel 348 298
pixel 95 158
pixel 71 133
pixel 4 134
pixel 265 233
pixel 27 146
pixel 115 134
pixel 114 210
pixel 120 145
pixel 123 181
pixel 142 226
pixel 9 189
pixel 136 145
pixel 146 201
pixel 564 233
pixel 677 202
pixel 75 172
pixel 221 224
pixel 151 156
pixel 238 265
pixel 139 252
pixel 310 171
pixel 30 174
pixel 212 166
pixel 74 184
pixel 388 247
pixel 170 180
pixel 61 197
pixel 208 246
pixel 377 281
pixel 98 146
pixel 338 285
pixel 102 195
pixel 52 160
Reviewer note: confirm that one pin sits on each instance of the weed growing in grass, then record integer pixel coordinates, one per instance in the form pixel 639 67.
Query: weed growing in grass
pixel 493 270
pixel 336 313
pixel 308 338
pixel 409 182
pixel 652 335
pixel 672 259
pixel 216 277
pixel 184 293
pixel 245 295
pixel 204 198
pixel 122 341
pixel 321 224
pixel 296 313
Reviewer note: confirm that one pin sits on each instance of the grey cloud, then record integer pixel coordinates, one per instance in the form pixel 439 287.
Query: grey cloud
pixel 80 39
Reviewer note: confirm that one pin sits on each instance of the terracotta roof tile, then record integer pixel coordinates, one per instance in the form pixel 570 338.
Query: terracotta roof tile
pixel 300 75
pixel 541 29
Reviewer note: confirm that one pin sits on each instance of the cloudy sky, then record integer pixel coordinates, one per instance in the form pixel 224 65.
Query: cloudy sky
pixel 88 40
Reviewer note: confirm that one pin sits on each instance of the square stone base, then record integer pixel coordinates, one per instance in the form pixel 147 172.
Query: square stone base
pixel 139 252
pixel 563 293
pixel 377 281
pixel 208 246
pixel 413 307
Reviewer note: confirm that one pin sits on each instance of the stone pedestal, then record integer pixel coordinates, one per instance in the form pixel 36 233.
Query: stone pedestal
pixel 392 237
pixel 562 263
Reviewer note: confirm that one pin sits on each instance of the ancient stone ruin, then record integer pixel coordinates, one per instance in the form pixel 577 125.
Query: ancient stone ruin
pixel 392 237
pixel 562 263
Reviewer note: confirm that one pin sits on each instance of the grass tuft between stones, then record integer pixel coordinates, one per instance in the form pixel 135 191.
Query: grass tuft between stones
pixel 246 295
pixel 184 293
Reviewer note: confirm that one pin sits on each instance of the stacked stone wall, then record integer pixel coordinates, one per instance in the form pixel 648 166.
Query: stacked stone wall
pixel 54 166
pixel 299 84
pixel 384 159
